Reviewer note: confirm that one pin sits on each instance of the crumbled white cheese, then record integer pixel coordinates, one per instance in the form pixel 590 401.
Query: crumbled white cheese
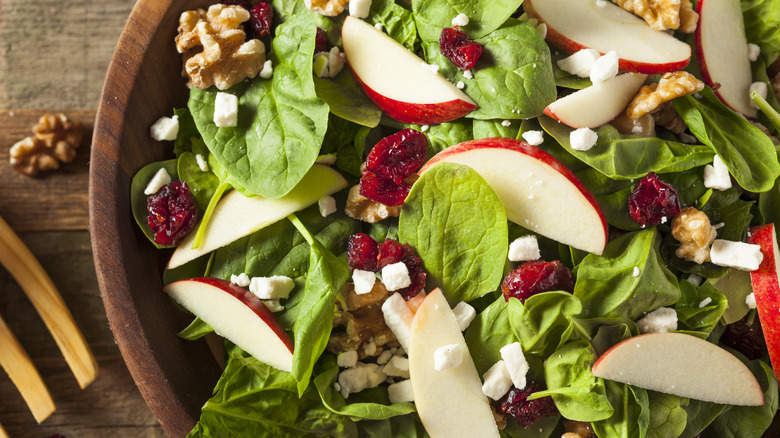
pixel 369 348
pixel 165 128
pixel 580 63
pixel 424 128
pixel 515 363
pixel 716 176
pixel 467 74
pixel 359 8
pixel 320 65
pixel 273 305
pixel 705 302
pixel 397 366
pixel 761 89
pixel 240 280
pixel 753 52
pixel 271 288
pixel 379 27
pixel 398 318
pixel 447 356
pixel 606 67
pixel 695 279
pixel 738 255
pixel 464 314
pixel 364 281
pixel 432 67
pixel 542 29
pixel 327 205
pixel 506 123
pixel 460 85
pixel 750 300
pixel 396 276
pixel 202 164
pixel 336 61
pixel 401 392
pixel 384 357
pixel 583 139
pixel 534 138
pixel 497 381
pixel 660 320
pixel 160 179
pixel 524 249
pixel 361 376
pixel 226 110
pixel 601 3
pixel 460 20
pixel 327 159
pixel 636 272
pixel 268 70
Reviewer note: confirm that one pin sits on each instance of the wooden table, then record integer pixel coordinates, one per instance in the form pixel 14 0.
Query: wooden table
pixel 53 58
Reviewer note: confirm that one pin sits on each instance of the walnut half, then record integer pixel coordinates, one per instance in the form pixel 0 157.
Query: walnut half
pixel 670 86
pixel 55 141
pixel 695 233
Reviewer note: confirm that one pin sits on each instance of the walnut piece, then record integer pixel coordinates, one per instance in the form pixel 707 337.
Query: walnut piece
pixel 642 127
pixel 695 233
pixel 579 428
pixel 329 8
pixel 659 14
pixel 689 19
pixel 672 85
pixel 666 116
pixel 364 322
pixel 55 141
pixel 213 47
pixel 363 209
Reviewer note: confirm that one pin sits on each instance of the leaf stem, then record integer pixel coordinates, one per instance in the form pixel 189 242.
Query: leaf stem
pixel 225 186
pixel 301 228
pixel 767 109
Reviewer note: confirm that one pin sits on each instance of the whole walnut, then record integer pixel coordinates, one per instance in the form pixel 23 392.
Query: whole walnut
pixel 693 230
pixel 55 141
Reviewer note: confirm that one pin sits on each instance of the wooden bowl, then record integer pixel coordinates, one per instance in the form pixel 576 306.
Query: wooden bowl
pixel 143 83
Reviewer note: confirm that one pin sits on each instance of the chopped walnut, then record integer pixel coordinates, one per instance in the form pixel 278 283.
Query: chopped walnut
pixel 642 127
pixel 329 8
pixel 571 435
pixel 672 85
pixel 689 19
pixel 55 141
pixel 213 47
pixel 692 228
pixel 581 429
pixel 364 322
pixel 659 14
pixel 666 116
pixel 500 418
pixel 361 208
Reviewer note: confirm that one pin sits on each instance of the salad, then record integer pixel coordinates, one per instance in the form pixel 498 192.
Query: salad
pixel 490 218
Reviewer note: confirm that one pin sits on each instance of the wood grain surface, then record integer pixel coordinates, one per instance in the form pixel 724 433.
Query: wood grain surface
pixel 53 58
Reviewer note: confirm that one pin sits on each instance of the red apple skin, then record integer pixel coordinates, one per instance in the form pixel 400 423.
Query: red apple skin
pixel 766 289
pixel 557 39
pixel 417 113
pixel 251 301
pixel 523 148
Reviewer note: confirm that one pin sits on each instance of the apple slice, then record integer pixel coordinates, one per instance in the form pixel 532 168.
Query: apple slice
pixel 238 315
pixel 237 216
pixel 722 53
pixel 583 24
pixel 766 289
pixel 538 192
pixel 598 104
pixel 397 81
pixel 450 402
pixel 682 365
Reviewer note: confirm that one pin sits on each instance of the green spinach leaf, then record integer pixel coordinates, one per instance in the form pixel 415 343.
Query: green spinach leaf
pixel 138 198
pixel 762 19
pixel 397 22
pixel 187 131
pixel 544 322
pixel 488 333
pixel 667 416
pixel 691 315
pixel 632 412
pixel 699 415
pixel 346 100
pixel 203 185
pixel 485 16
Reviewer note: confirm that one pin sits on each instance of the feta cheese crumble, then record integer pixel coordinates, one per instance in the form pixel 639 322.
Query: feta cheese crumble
pixel 364 281
pixel 347 359
pixel 716 176
pixel 467 74
pixel 524 249
pixel 396 276
pixel 424 128
pixel 361 376
pixel 580 63
pixel 506 123
pixel 447 356
pixel 398 318
pixel 336 61
pixel 606 67
pixel 705 302
pixel 160 179
pixel 401 392
pixel 534 138
pixel 761 89
pixel 397 367
pixel 327 205
pixel 379 27
pixel 240 280
pixel 737 255
pixel 583 139
pixel 464 314
pixel 268 70
pixel 271 288
pixel 750 300
pixel 359 8
pixel 460 85
pixel 165 128
pixel 636 272
pixel 460 20
pixel 384 357
pixel 225 110
pixel 273 305
pixel 496 381
pixel 202 164
pixel 753 52
pixel 515 363
pixel 660 320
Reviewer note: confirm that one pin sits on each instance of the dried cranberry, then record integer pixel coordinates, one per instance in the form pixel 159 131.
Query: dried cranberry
pixel 399 155
pixel 458 48
pixel 362 252
pixel 172 213
pixel 243 3
pixel 516 404
pixel 745 337
pixel 535 277
pixel 320 41
pixel 383 190
pixel 261 17
pixel 391 252
pixel 653 200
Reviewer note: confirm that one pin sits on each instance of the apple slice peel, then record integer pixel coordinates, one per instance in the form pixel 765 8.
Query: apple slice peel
pixel 766 289
pixel 682 365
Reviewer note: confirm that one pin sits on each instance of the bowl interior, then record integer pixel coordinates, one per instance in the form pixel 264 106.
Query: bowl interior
pixel 174 376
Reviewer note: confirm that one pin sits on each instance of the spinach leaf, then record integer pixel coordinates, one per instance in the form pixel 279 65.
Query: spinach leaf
pixel 544 322
pixel 281 122
pixel 577 394
pixel 667 416
pixel 694 317
pixel 769 203
pixel 378 408
pixel 384 229
pixel 513 78
pixel 610 332
pixel 770 107
pixel 346 100
pixel 448 134
pixel 627 157
pixel 405 426
pixel 496 128
pixel 327 274
pixel 488 333
pixel 606 284
pixel 187 131
pixel 699 415
pixel 632 412
pixel 285 10
pixel 485 16
pixel 347 141
pixel 202 184
pixel 458 226
pixel 138 198
pixel 749 154
pixel 397 22
pixel 254 399
pixel 762 19
pixel 565 79
pixel 735 287
pixel 196 330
